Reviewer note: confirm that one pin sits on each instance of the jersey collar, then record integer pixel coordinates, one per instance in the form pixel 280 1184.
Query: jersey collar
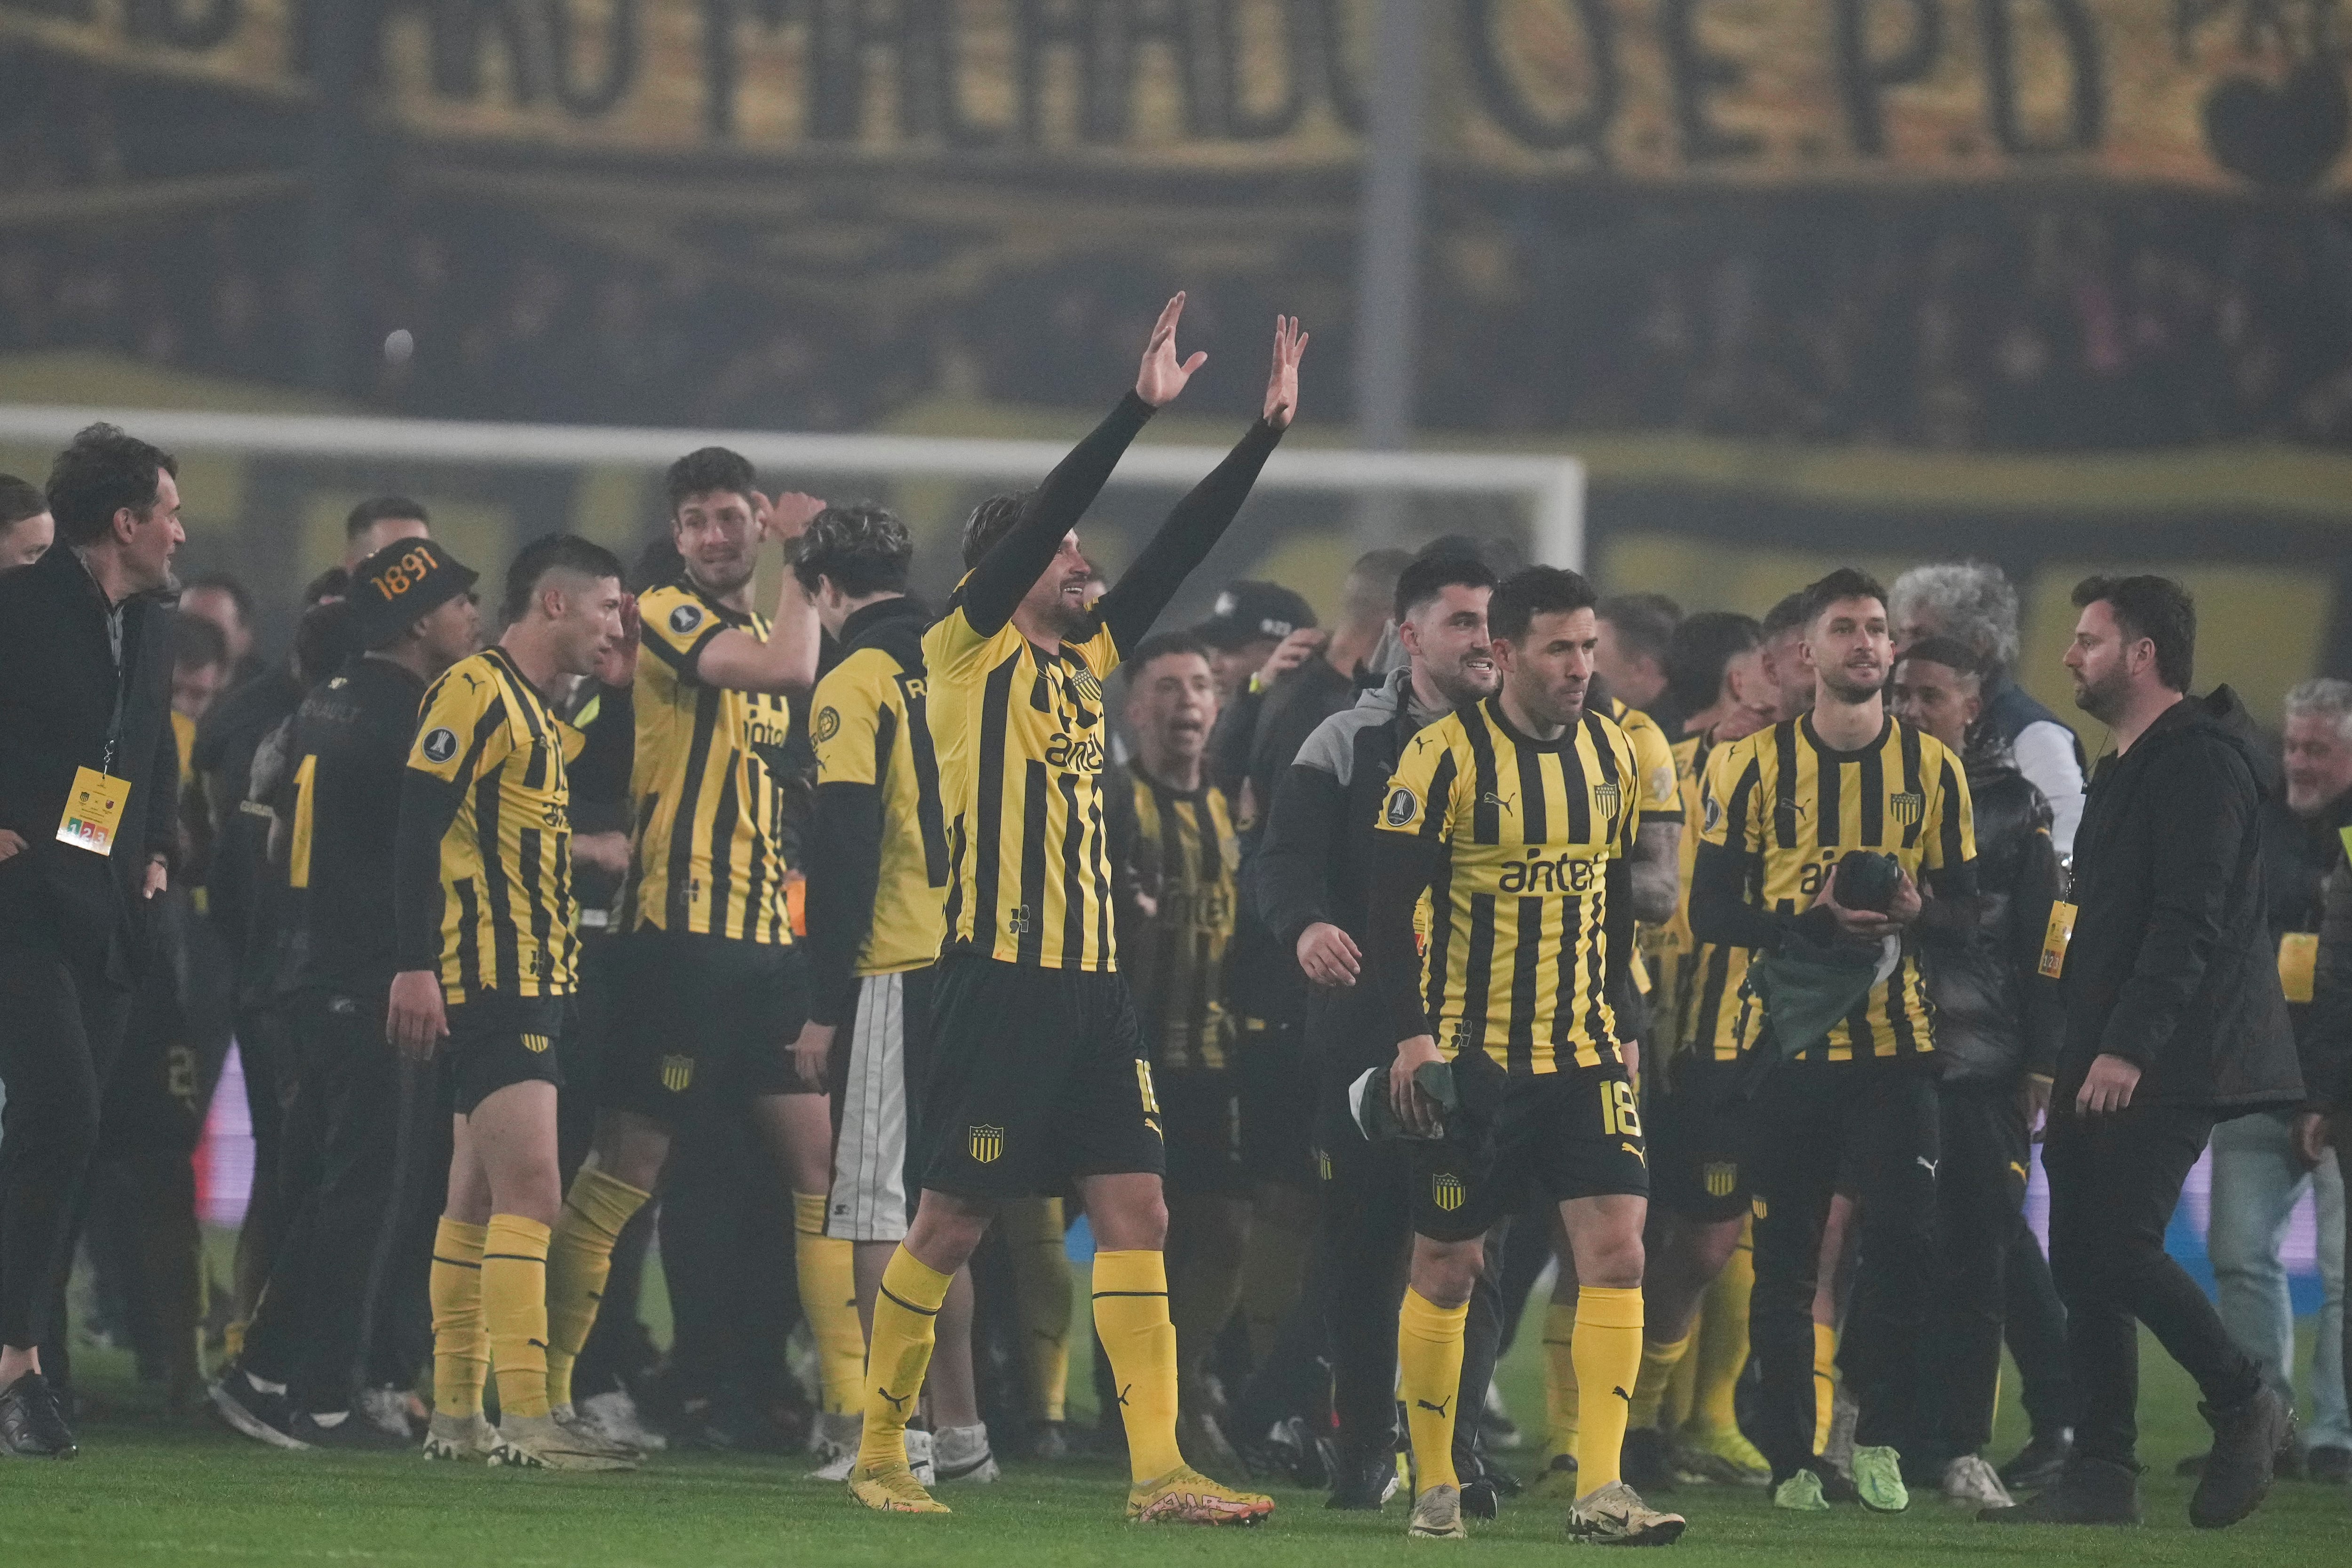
pixel 1812 738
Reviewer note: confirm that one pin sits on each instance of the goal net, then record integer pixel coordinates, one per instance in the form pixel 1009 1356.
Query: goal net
pixel 264 495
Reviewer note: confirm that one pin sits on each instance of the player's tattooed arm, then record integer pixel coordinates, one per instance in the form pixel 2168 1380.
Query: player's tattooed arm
pixel 1654 885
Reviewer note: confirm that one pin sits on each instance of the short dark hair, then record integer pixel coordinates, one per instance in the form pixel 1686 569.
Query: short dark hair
pixel 1950 652
pixel 555 553
pixel 658 564
pixel 1644 622
pixel 1845 583
pixel 196 643
pixel 990 521
pixel 325 639
pixel 1534 590
pixel 1426 576
pixel 331 584
pixel 1786 617
pixel 2157 608
pixel 861 545
pixel 106 469
pixel 1703 646
pixel 18 500
pixel 377 509
pixel 1161 645
pixel 709 468
pixel 227 582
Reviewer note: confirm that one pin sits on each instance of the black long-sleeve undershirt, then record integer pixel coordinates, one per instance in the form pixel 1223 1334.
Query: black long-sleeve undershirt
pixel 1185 541
pixel 1720 912
pixel 1005 574
pixel 427 806
pixel 844 860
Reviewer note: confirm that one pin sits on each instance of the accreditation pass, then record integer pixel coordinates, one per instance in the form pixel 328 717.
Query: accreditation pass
pixel 93 812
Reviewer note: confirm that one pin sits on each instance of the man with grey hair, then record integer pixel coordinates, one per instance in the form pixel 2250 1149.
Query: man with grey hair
pixel 1974 603
pixel 2260 1168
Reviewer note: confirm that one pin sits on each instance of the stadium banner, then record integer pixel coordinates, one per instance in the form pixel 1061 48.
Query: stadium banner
pixel 2214 94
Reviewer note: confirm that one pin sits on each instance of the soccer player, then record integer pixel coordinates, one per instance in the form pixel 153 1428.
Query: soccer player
pixel 486 950
pixel 877 877
pixel 1779 809
pixel 1185 855
pixel 711 989
pixel 1517 818
pixel 1040 1076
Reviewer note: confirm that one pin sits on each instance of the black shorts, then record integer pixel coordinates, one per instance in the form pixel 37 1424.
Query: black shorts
pixel 1555 1135
pixel 1201 1114
pixel 1037 1076
pixel 1697 1136
pixel 496 1041
pixel 1276 1084
pixel 702 1020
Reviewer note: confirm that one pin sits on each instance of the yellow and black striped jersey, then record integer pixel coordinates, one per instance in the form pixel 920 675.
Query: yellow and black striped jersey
pixel 1702 981
pixel 1022 743
pixel 1518 955
pixel 1654 764
pixel 1794 807
pixel 872 726
pixel 508 914
pixel 1186 859
pixel 708 851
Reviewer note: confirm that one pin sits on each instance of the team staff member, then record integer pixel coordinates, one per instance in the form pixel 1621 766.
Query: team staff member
pixel 486 951
pixel 2175 1019
pixel 877 877
pixel 1041 1077
pixel 413 607
pixel 89 816
pixel 1518 819
pixel 1779 810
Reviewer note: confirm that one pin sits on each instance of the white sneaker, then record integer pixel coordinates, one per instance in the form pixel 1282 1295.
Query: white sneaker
pixel 386 1409
pixel 542 1443
pixel 919 1458
pixel 1972 1483
pixel 460 1438
pixel 962 1454
pixel 593 1437
pixel 832 1439
pixel 1615 1515
pixel 616 1416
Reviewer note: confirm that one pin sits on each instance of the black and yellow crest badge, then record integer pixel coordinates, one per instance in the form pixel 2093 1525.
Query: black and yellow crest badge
pixel 677 1072
pixel 1906 807
pixel 987 1144
pixel 535 1044
pixel 1606 796
pixel 1721 1178
pixel 1087 689
pixel 1445 1190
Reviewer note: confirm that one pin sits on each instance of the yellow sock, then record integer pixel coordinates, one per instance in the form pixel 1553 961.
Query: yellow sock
pixel 1560 1376
pixel 906 1325
pixel 1723 1340
pixel 829 1302
pixel 1824 1383
pixel 1429 1380
pixel 1032 1231
pixel 514 1309
pixel 1660 1361
pixel 461 1343
pixel 1608 1361
pixel 579 1262
pixel 1675 1410
pixel 1130 1294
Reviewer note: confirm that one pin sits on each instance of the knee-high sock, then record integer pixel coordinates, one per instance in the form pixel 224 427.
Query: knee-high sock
pixel 1041 1283
pixel 1272 1270
pixel 514 1308
pixel 1675 1410
pixel 1429 1367
pixel 579 1262
pixel 1608 1362
pixel 906 1325
pixel 1130 1295
pixel 461 1343
pixel 1559 1378
pixel 828 1279
pixel 1660 1362
pixel 1825 1381
pixel 1723 1339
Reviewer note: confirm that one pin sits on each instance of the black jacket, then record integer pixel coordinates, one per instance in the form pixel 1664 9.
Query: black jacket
pixel 2296 858
pixel 2327 1043
pixel 1996 1017
pixel 2172 966
pixel 56 701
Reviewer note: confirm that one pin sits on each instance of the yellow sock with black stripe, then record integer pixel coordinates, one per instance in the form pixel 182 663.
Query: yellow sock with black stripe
pixel 905 1326
pixel 461 1342
pixel 1825 1341
pixel 514 1309
pixel 579 1262
pixel 828 1280
pixel 1429 1380
pixel 1723 1340
pixel 1659 1361
pixel 1609 1362
pixel 1032 1232
pixel 1559 1378
pixel 1130 1295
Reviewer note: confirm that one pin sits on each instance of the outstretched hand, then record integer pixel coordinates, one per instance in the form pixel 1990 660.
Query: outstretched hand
pixel 787 517
pixel 1163 375
pixel 1282 386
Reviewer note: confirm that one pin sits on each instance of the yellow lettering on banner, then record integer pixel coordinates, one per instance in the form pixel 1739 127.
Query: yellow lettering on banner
pixel 2055 940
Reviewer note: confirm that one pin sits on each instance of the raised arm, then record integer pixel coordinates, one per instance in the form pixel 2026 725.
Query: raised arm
pixel 735 660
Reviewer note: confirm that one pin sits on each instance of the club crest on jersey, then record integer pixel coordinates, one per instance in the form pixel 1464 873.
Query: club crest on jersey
pixel 1711 811
pixel 677 1072
pixel 1446 1191
pixel 827 725
pixel 987 1143
pixel 1087 689
pixel 535 1044
pixel 441 745
pixel 685 618
pixel 1721 1178
pixel 1606 796
pixel 1906 808
pixel 1403 804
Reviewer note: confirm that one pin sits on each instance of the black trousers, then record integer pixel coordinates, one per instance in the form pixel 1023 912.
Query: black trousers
pixel 1980 1213
pixel 61 1025
pixel 2114 1183
pixel 2034 1324
pixel 1810 1123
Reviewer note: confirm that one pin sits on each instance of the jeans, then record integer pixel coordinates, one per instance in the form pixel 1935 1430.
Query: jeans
pixel 2257 1180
